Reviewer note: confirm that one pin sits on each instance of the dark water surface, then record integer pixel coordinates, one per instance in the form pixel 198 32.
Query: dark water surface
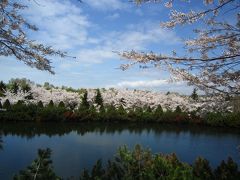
pixel 78 146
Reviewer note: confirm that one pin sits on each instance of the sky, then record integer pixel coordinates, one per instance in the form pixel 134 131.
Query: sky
pixel 92 31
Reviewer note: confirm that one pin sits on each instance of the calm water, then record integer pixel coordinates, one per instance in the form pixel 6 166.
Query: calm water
pixel 78 146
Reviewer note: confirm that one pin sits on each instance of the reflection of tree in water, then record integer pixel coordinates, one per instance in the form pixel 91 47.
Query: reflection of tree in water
pixel 31 130
pixel 1 141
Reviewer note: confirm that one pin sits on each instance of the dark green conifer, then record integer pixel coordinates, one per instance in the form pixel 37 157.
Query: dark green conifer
pixel 85 104
pixel 98 99
pixel 40 169
pixel 194 95
pixel 61 104
pixel 227 170
pixel 51 104
pixel 178 109
pixel 6 104
pixel 14 87
pixel 158 110
pixel 121 110
pixel 2 86
pixel 202 170
pixel 40 104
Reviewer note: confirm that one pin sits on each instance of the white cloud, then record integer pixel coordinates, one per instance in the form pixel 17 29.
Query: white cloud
pixel 61 23
pixel 109 5
pixel 136 84
pixel 137 37
pixel 95 55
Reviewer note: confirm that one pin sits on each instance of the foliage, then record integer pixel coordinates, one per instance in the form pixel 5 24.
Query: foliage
pixel 61 105
pixel 40 169
pixel 2 88
pixel 51 104
pixel 202 169
pixel 22 110
pixel 194 94
pixel 85 104
pixel 6 104
pixel 15 42
pixel 40 104
pixel 227 170
pixel 142 164
pixel 178 109
pixel 136 164
pixel 14 87
pixel 98 98
pixel 212 60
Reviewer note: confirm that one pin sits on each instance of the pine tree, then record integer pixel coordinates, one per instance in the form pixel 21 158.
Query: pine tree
pixel 61 105
pixel 98 99
pixel 40 104
pixel 178 109
pixel 6 104
pixel 20 102
pixel 2 86
pixel 40 169
pixel 14 87
pixel 202 170
pixel 121 111
pixel 85 104
pixel 25 87
pixel 194 95
pixel 158 110
pixel 0 105
pixel 102 110
pixel 51 104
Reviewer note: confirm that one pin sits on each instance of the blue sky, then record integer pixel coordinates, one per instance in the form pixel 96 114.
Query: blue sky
pixel 91 31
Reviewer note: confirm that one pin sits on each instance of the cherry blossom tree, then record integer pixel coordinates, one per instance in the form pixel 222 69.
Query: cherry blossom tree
pixel 212 60
pixel 15 42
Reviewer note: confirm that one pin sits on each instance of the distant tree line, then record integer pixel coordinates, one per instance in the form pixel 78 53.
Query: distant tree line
pixel 100 112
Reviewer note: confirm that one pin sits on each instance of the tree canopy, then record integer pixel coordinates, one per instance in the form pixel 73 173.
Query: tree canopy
pixel 212 60
pixel 14 40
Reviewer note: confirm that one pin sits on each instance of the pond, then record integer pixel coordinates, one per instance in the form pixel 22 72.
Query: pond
pixel 78 146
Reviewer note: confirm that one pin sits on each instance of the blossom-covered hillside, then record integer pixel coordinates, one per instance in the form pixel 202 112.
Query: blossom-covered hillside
pixel 127 98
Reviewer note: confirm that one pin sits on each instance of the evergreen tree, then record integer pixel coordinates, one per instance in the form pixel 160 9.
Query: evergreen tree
pixel 20 102
pixel 178 109
pixel 61 105
pixel 2 86
pixel 194 95
pixel 158 110
pixel 51 104
pixel 25 87
pixel 40 104
pixel 0 105
pixel 227 170
pixel 102 110
pixel 40 169
pixel 6 104
pixel 14 87
pixel 149 109
pixel 98 99
pixel 85 104
pixel 202 170
pixel 121 111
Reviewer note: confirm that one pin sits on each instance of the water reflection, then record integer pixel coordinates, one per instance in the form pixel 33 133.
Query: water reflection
pixel 78 146
pixel 30 130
